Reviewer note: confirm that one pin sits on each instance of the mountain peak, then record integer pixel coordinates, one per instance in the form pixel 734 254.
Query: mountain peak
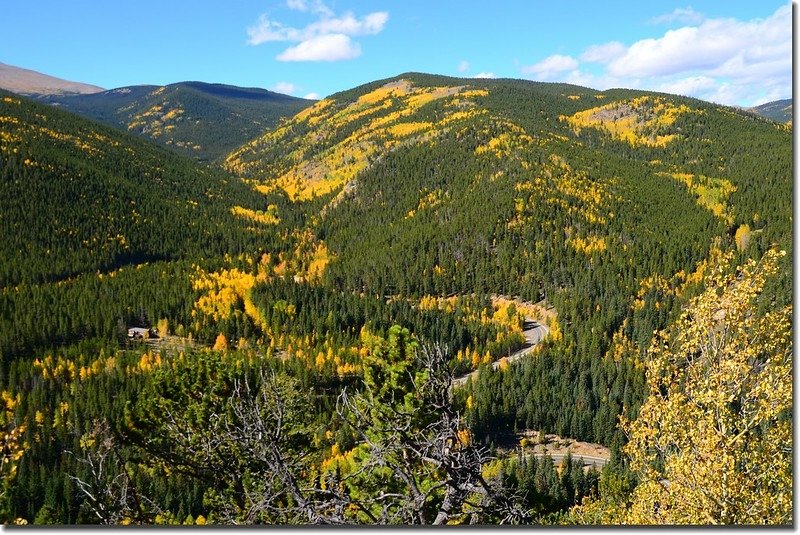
pixel 28 82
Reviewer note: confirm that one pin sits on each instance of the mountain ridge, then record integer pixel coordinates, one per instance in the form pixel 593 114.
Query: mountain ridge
pixel 437 188
pixel 194 118
pixel 29 82
pixel 777 110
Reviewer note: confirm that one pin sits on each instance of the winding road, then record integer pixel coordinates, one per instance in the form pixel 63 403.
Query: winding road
pixel 533 331
pixel 587 460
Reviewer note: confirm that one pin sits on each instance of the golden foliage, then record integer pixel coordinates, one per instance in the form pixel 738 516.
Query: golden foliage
pixel 742 237
pixel 590 197
pixel 265 218
pixel 589 245
pixel 221 343
pixel 308 171
pixel 621 345
pixel 343 462
pixel 155 119
pixel 580 195
pixel 637 121
pixel 506 144
pixel 163 327
pixel 227 290
pixel 12 433
pixel 12 446
pixel 406 129
pixel 427 200
pixel 319 261
pixel 148 361
pixel 713 442
pixel 223 290
pixel 14 131
pixel 712 193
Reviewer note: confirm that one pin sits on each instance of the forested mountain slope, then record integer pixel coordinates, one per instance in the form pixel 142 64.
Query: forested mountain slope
pixel 79 197
pixel 610 205
pixel 201 120
pixel 313 310
pixel 82 200
pixel 445 185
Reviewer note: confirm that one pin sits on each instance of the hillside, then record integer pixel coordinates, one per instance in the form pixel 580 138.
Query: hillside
pixel 81 200
pixel 435 186
pixel 779 110
pixel 204 121
pixel 404 152
pixel 28 82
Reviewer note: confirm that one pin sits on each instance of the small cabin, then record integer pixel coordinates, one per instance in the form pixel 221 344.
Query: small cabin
pixel 141 333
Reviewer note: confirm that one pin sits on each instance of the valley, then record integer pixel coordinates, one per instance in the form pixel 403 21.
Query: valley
pixel 368 305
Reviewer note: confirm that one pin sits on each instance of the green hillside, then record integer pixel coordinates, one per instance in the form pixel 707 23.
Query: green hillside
pixel 204 121
pixel 81 201
pixel 79 197
pixel 420 171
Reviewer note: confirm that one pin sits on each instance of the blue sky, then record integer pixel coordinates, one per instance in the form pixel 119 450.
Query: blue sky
pixel 732 52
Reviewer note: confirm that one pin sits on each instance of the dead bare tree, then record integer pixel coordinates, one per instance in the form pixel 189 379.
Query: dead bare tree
pixel 263 425
pixel 106 486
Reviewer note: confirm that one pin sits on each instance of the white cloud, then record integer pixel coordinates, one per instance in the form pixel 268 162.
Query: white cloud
pixel 463 66
pixel 331 47
pixel 287 88
pixel 316 7
pixel 328 38
pixel 603 53
pixel 267 30
pixel 311 96
pixel 678 51
pixel 684 15
pixel 711 46
pixel 727 61
pixel 689 86
pixel 484 75
pixel 551 67
pixel 349 25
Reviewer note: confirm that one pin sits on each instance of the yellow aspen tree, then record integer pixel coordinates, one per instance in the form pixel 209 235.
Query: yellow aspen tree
pixel 476 359
pixel 742 237
pixel 221 343
pixel 713 442
pixel 163 327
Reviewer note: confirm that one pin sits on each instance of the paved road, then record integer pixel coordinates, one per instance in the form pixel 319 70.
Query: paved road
pixel 533 331
pixel 588 460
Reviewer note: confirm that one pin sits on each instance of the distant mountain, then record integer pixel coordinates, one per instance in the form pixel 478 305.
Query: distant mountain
pixel 27 82
pixel 777 110
pixel 79 197
pixel 202 120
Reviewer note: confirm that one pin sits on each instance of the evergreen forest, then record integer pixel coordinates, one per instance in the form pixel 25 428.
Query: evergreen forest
pixel 389 306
